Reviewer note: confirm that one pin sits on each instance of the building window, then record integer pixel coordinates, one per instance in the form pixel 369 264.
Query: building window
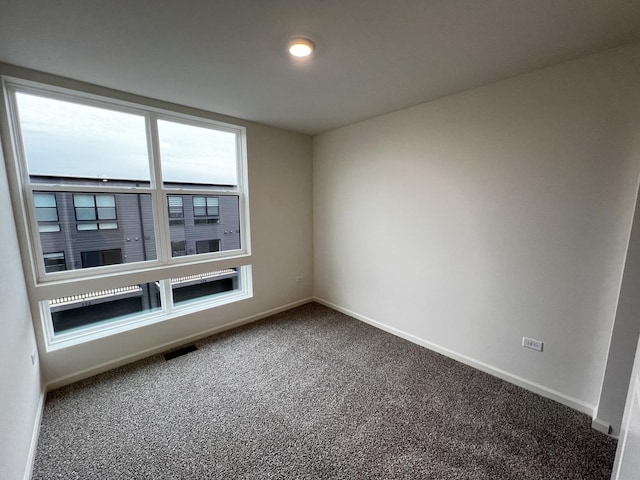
pixel 55 262
pixel 176 210
pixel 92 210
pixel 46 212
pixel 99 258
pixel 206 207
pixel 178 248
pixel 206 246
pixel 160 190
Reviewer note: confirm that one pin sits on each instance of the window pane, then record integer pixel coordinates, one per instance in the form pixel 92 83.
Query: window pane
pixel 106 213
pixel 175 201
pixel 108 225
pixel 204 234
pixel 82 200
pixel 61 136
pixel 85 213
pixel 54 262
pixel 48 228
pixel 203 286
pixel 87 226
pixel 105 201
pixel 197 155
pixel 132 235
pixel 47 214
pixel 44 200
pixel 110 305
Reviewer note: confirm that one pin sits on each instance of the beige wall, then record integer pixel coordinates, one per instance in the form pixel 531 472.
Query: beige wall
pixel 502 212
pixel 20 391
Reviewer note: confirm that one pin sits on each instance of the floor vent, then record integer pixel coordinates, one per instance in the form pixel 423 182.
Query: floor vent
pixel 179 352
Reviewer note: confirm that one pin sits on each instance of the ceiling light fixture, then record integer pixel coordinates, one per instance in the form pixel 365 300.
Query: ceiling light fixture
pixel 301 47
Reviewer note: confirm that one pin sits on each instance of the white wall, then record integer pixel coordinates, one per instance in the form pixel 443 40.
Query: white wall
pixel 279 170
pixel 504 211
pixel 20 386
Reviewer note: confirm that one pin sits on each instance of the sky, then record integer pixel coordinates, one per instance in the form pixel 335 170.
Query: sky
pixel 68 139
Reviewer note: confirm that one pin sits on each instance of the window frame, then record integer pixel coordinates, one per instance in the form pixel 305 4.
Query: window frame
pixel 44 285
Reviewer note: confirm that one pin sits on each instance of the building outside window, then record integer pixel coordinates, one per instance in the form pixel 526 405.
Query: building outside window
pixel 128 211
pixel 46 212
pixel 176 210
pixel 91 208
pixel 178 248
pixel 206 210
pixel 204 246
pixel 55 262
pixel 98 258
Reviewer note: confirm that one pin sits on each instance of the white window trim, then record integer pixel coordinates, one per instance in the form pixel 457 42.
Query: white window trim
pixel 44 286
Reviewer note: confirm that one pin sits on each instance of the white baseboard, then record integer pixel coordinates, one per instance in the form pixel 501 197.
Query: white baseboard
pixel 28 471
pixel 601 426
pixel 571 402
pixel 103 367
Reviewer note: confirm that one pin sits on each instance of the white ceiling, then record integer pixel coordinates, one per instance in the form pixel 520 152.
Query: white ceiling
pixel 373 56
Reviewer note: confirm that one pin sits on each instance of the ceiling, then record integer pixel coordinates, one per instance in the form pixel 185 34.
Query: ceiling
pixel 372 57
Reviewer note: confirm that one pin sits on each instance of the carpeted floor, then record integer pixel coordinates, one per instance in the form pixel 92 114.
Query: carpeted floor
pixel 311 394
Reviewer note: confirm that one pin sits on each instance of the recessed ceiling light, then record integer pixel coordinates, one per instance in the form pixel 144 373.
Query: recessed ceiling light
pixel 301 47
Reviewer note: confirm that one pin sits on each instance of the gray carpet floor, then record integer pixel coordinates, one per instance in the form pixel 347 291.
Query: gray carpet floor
pixel 311 394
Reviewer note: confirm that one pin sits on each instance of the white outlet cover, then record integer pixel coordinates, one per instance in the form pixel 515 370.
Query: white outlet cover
pixel 533 344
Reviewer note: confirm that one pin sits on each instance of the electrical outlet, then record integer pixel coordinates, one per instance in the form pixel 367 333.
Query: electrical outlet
pixel 532 344
pixel 299 279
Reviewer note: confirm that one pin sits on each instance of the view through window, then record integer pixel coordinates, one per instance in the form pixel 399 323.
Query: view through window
pixel 103 199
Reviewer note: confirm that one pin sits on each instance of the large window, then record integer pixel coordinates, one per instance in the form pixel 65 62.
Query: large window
pixel 129 201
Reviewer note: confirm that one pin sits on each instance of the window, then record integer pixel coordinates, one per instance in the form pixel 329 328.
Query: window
pixel 176 210
pixel 55 262
pixel 46 212
pixel 204 246
pixel 98 258
pixel 129 191
pixel 70 314
pixel 178 248
pixel 195 288
pixel 92 208
pixel 206 207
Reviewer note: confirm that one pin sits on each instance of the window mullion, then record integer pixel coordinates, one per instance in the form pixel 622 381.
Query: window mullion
pixel 160 208
pixel 166 295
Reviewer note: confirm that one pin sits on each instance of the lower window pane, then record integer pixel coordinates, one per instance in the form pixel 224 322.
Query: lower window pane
pixel 193 288
pixel 103 306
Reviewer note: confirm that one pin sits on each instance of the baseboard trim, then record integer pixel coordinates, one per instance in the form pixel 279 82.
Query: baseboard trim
pixel 601 426
pixel 28 470
pixel 106 366
pixel 496 372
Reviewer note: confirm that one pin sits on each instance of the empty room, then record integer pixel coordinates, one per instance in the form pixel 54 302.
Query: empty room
pixel 320 239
